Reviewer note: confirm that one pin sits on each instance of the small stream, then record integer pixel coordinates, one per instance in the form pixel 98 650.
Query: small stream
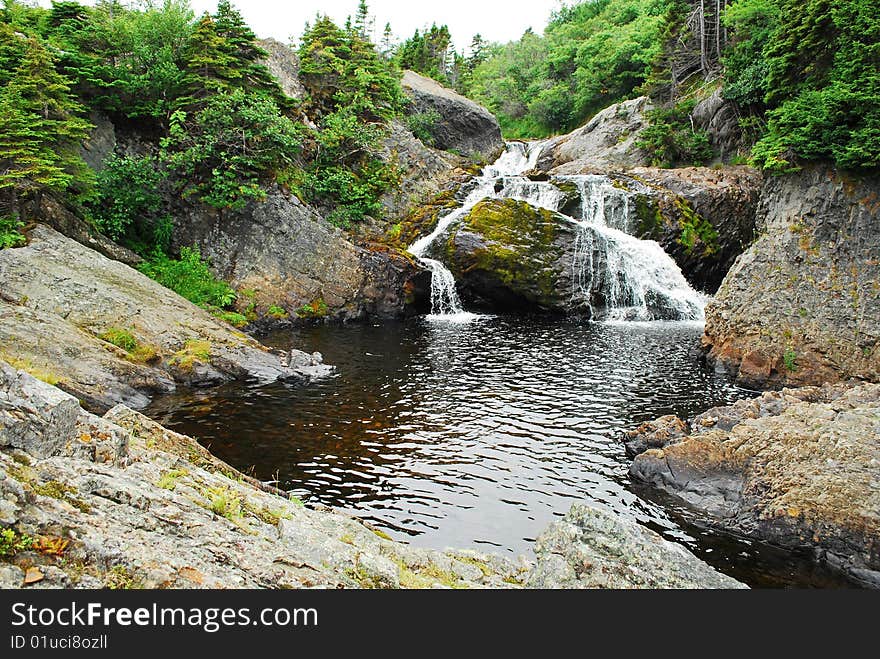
pixel 477 434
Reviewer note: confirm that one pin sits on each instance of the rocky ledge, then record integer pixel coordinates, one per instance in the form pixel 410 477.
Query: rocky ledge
pixel 108 334
pixel 119 501
pixel 798 468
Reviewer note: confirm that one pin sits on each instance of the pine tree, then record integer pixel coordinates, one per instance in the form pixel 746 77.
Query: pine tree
pixel 363 23
pixel 387 47
pixel 40 132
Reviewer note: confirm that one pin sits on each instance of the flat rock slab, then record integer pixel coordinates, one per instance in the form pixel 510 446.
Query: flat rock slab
pixel 59 298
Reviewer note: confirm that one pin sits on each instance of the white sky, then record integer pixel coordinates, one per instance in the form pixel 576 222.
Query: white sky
pixel 495 20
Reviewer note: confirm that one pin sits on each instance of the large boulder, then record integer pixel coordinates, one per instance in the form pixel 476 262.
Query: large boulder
pixel 798 469
pixel 62 303
pixel 591 548
pixel 508 255
pixel 802 305
pixel 606 142
pixel 282 254
pixel 461 124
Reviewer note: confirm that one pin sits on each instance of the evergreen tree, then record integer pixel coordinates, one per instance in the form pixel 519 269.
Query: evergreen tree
pixel 40 132
pixel 364 24
pixel 387 47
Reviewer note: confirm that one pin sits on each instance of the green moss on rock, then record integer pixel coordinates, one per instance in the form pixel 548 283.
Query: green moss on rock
pixel 513 252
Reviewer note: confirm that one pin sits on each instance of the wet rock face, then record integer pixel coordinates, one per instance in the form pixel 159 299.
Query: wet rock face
pixel 462 126
pixel 285 255
pixel 59 298
pixel 590 548
pixel 797 468
pixel 704 218
pixel 802 305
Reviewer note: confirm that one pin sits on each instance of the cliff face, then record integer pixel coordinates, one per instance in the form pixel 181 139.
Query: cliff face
pixel 802 305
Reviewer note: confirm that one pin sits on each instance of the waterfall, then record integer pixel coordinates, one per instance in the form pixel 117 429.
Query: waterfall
pixel 634 279
pixel 615 276
pixel 518 157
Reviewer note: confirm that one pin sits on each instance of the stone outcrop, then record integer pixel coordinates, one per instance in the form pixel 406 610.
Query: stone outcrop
pixel 461 125
pixel 797 468
pixel 606 142
pixel 283 254
pixel 59 298
pixel 424 172
pixel 283 64
pixel 802 305
pixel 704 218
pixel 720 119
pixel 119 501
pixel 591 548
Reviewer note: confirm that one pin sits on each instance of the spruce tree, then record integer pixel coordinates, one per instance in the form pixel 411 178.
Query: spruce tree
pixel 40 132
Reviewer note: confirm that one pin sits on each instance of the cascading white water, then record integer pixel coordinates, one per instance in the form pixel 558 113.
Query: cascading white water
pixel 517 158
pixel 615 276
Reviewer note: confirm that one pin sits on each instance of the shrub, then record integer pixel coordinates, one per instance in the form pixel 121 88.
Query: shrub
pixel 189 277
pixel 120 338
pixel 671 139
pixel 421 124
pixel 11 543
pixel 315 309
pixel 10 233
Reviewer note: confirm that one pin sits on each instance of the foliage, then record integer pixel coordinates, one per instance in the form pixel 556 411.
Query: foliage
pixel 592 54
pixel 11 543
pixel 789 358
pixel 421 124
pixel 189 277
pixel 128 205
pixel 10 233
pixel 353 91
pixel 315 309
pixel 121 338
pixel 818 67
pixel 221 153
pixel 671 139
pixel 428 53
pixel 40 128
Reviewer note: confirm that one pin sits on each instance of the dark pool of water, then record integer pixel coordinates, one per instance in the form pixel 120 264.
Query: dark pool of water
pixel 479 434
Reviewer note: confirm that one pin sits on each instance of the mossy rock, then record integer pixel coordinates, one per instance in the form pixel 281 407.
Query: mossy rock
pixel 505 254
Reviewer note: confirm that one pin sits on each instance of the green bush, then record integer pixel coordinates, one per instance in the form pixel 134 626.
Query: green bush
pixel 120 338
pixel 11 543
pixel 671 139
pixel 421 124
pixel 10 233
pixel 128 202
pixel 189 277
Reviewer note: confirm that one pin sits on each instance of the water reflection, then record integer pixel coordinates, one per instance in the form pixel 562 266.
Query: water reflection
pixel 471 434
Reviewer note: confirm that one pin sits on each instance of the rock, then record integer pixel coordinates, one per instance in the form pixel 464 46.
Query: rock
pixel 424 172
pixel 797 468
pixel 704 218
pixel 463 125
pixel 508 255
pixel 606 142
pixel 287 256
pixel 720 119
pixel 101 142
pixel 61 297
pixel 60 218
pixel 590 548
pixel 802 304
pixel 167 514
pixel 283 64
pixel 654 434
